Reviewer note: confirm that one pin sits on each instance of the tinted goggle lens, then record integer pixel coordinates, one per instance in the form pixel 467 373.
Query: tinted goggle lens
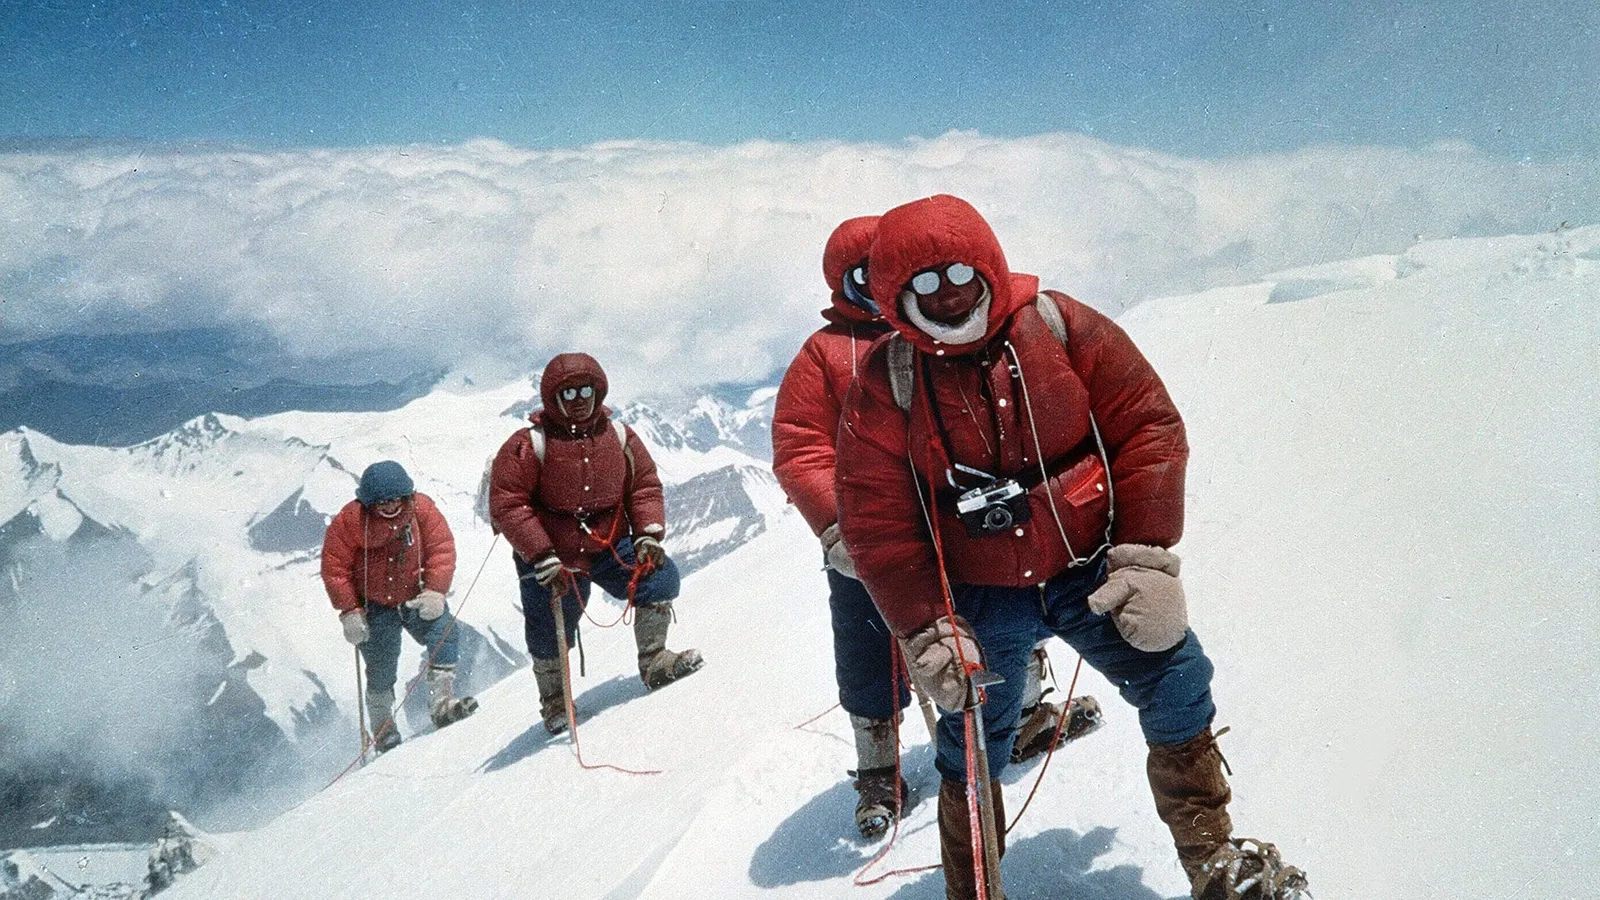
pixel 573 393
pixel 855 289
pixel 927 283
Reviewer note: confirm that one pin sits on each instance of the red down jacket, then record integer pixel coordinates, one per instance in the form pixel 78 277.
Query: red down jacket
pixel 979 406
pixel 805 418
pixel 366 557
pixel 585 492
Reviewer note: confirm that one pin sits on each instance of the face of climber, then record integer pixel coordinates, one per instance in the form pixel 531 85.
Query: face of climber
pixel 388 509
pixel 947 292
pixel 577 402
pixel 854 287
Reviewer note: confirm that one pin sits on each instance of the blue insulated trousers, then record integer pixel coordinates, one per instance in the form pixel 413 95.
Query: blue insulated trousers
pixel 381 651
pixel 863 652
pixel 539 625
pixel 1170 689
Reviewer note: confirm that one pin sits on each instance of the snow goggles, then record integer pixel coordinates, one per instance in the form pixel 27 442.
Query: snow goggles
pixel 572 393
pixel 855 289
pixel 927 282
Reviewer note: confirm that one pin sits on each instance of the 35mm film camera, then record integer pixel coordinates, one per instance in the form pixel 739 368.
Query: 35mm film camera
pixel 993 508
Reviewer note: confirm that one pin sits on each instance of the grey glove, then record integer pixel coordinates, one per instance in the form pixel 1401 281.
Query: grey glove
pixel 647 549
pixel 428 604
pixel 354 623
pixel 547 571
pixel 838 555
pixel 1144 597
pixel 935 663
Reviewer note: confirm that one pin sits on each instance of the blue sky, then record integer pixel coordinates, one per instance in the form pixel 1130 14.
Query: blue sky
pixel 1194 78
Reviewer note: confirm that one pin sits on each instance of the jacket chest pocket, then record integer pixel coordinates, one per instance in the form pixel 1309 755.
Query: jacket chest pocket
pixel 1085 483
pixel 1086 513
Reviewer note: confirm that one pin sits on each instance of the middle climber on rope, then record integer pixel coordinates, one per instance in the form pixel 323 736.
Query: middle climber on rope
pixel 577 496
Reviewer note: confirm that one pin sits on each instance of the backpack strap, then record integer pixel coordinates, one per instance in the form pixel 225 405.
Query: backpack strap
pixel 1051 314
pixel 902 356
pixel 622 437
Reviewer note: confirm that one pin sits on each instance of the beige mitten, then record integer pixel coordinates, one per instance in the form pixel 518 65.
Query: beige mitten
pixel 428 604
pixel 1144 597
pixel 838 555
pixel 354 623
pixel 935 662
pixel 647 549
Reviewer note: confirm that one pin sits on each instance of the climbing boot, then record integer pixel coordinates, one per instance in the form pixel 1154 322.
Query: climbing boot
pixel 881 794
pixel 380 712
pixel 659 666
pixel 955 838
pixel 1248 869
pixel 881 790
pixel 443 706
pixel 1038 726
pixel 552 697
pixel 1192 797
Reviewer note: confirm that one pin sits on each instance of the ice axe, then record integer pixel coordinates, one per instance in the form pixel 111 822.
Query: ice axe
pixel 977 680
pixel 361 709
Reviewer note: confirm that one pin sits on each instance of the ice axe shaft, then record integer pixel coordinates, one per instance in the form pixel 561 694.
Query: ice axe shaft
pixel 361 707
pixel 976 681
pixel 566 670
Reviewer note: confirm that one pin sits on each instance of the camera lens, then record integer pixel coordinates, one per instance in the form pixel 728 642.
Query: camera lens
pixel 997 517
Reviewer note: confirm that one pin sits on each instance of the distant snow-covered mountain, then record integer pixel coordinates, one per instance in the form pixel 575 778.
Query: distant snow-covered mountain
pixel 216 527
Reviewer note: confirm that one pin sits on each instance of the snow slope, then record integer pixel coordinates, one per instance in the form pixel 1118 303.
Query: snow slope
pixel 225 517
pixel 1392 557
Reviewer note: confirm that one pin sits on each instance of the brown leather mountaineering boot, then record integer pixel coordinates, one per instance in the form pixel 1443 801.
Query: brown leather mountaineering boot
pixel 659 666
pixel 1192 798
pixel 955 838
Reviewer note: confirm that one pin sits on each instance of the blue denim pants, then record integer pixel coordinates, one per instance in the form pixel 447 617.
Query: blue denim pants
pixel 539 623
pixel 1171 689
pixel 863 652
pixel 381 650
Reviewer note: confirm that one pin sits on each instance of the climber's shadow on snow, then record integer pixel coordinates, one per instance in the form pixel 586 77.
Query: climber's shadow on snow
pixel 1051 864
pixel 602 696
pixel 818 841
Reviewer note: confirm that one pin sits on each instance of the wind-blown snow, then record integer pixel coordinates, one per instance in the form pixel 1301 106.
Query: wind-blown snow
pixel 1392 555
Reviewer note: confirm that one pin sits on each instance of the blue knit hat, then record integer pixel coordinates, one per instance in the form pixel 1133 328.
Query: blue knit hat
pixel 386 480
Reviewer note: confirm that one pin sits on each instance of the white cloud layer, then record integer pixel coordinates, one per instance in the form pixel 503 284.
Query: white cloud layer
pixel 675 264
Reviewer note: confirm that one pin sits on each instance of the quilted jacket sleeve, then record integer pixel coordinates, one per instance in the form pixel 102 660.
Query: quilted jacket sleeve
pixel 647 508
pixel 1139 423
pixel 438 545
pixel 880 510
pixel 805 422
pixel 513 479
pixel 339 549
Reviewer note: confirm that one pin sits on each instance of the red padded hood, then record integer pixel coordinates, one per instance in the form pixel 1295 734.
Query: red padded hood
pixel 567 369
pixel 932 231
pixel 847 246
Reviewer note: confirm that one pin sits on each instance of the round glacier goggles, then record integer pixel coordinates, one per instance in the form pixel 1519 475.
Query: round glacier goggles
pixel 572 393
pixel 855 288
pixel 927 282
